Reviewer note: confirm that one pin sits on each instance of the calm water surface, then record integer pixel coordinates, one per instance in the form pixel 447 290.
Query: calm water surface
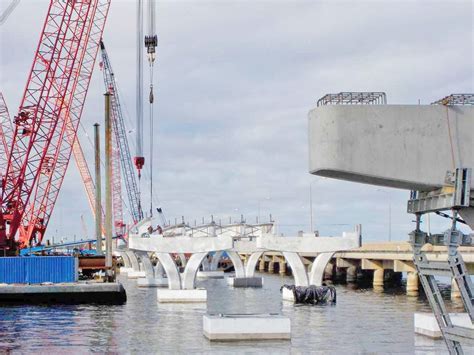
pixel 362 322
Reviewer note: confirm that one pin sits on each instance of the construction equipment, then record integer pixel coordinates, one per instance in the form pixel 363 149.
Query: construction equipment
pixel 151 42
pixel 121 140
pixel 53 99
pixel 6 133
pixel 419 204
pixel 139 159
pixel 456 196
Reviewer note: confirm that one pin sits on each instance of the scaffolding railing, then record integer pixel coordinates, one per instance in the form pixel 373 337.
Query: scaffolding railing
pixel 354 98
pixel 456 99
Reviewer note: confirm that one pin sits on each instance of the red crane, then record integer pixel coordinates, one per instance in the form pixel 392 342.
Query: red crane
pixel 6 133
pixel 49 113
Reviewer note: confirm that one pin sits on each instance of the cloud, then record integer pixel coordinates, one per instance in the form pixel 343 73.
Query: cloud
pixel 234 83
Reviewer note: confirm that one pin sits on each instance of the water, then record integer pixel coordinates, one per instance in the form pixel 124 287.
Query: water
pixel 362 322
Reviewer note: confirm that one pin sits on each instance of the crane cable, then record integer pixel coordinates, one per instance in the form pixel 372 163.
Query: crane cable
pixel 151 98
pixel 151 42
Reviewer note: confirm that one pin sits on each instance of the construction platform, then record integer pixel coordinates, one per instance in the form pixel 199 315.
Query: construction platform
pixel 64 293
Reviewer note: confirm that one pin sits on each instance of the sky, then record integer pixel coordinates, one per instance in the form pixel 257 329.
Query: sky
pixel 234 82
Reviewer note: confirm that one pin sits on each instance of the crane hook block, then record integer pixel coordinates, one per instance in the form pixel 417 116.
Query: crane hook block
pixel 139 162
pixel 151 42
pixel 152 97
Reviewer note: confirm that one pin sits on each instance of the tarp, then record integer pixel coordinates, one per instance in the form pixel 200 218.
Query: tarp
pixel 313 294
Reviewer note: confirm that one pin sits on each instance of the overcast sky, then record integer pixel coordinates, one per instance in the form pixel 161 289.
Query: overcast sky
pixel 234 83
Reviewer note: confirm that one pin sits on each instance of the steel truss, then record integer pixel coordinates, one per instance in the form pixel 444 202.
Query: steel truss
pixel 120 136
pixel 454 267
pixel 6 133
pixel 49 113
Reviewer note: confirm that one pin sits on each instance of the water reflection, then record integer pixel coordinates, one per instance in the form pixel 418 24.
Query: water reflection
pixel 362 321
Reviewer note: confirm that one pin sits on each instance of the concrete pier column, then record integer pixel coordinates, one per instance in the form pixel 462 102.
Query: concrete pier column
pixel 261 265
pixel 251 265
pixel 378 280
pixel 351 274
pixel 412 283
pixel 329 272
pixel 340 274
pixel 271 267
pixel 282 268
pixel 455 293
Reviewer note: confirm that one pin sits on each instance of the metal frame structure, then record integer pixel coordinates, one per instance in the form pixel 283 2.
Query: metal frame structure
pixel 454 268
pixel 6 133
pixel 48 188
pixel 53 99
pixel 118 222
pixel 456 99
pixel 120 137
pixel 353 98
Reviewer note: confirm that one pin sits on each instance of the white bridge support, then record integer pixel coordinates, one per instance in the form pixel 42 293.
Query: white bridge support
pixel 182 287
pixel 245 275
pixel 316 274
pixel 215 260
pixel 137 269
pixel 189 274
pixel 297 267
pixel 127 265
pixel 153 275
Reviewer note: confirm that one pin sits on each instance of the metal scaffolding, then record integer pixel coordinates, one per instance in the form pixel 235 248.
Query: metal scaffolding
pixel 353 98
pixel 456 99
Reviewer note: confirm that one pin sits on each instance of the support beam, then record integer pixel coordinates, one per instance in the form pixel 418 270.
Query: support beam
pixel 316 275
pixel 192 266
pixel 378 280
pixel 298 268
pixel 172 273
pixel 237 262
pixel 403 266
pixel 252 263
pixel 412 284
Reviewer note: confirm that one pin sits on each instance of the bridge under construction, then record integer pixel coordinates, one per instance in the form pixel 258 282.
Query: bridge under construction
pixel 353 136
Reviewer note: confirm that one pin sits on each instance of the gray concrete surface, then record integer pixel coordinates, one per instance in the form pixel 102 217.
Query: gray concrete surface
pixel 401 146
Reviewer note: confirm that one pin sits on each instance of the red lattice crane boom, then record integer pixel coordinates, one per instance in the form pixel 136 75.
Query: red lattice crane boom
pixel 6 133
pixel 53 99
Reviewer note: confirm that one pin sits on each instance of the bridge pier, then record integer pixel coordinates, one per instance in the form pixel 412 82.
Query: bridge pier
pixel 246 276
pixel 378 280
pixel 137 271
pixel 412 284
pixel 455 293
pixel 153 275
pixel 351 274
pixel 282 267
pixel 316 275
pixel 181 287
pixel 271 266
pixel 127 265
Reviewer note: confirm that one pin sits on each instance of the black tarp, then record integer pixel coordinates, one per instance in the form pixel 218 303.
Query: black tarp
pixel 313 294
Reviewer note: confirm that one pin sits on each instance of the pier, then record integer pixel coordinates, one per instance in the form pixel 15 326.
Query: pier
pixel 380 261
